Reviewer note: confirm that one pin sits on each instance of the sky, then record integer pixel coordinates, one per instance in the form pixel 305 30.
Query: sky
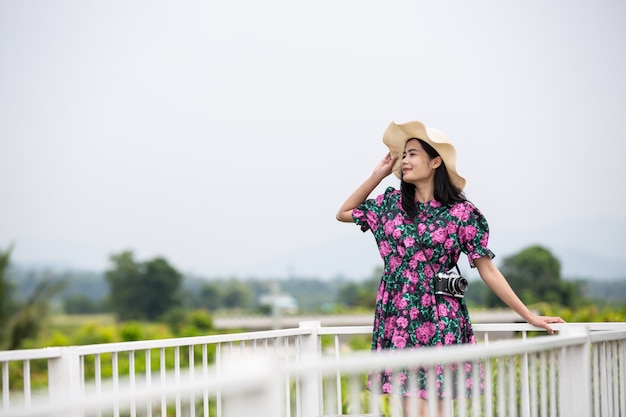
pixel 224 136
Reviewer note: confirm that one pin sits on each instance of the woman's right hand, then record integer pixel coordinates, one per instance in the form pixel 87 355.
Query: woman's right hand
pixel 385 166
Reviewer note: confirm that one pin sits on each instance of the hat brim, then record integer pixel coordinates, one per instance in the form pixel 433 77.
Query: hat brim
pixel 397 135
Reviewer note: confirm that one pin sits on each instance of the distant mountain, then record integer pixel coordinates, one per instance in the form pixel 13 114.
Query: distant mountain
pixel 356 257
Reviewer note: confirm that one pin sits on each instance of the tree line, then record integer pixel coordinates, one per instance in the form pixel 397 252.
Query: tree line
pixel 153 290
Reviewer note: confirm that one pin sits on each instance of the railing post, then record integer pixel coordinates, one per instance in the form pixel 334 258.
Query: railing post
pixel 310 382
pixel 575 375
pixel 64 378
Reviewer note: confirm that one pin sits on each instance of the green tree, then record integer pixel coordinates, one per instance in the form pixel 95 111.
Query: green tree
pixel 7 304
pixel 82 304
pixel 535 275
pixel 361 294
pixel 211 296
pixel 21 320
pixel 142 291
pixel 238 294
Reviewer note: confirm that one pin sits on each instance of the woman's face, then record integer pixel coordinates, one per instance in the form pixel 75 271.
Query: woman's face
pixel 417 166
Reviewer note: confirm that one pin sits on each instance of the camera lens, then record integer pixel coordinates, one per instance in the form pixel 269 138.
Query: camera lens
pixel 459 285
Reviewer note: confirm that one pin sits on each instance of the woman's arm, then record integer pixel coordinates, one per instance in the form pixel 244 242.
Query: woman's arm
pixel 492 276
pixel 382 170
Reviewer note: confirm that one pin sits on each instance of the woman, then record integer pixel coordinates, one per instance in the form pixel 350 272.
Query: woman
pixel 421 230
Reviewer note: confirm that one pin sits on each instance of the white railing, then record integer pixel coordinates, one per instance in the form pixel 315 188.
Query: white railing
pixel 308 372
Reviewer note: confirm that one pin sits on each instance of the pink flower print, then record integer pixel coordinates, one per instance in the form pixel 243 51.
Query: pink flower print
pixel 431 227
pixel 468 383
pixel 384 248
pixel 400 302
pixel 442 310
pixel 449 339
pixel 412 276
pixel 484 241
pixel 420 256
pixel 399 342
pixel 402 377
pixel 402 322
pixel 398 220
pixel 390 325
pixel 425 332
pixel 422 394
pixel 372 220
pixel 409 242
pixel 439 235
pixel 460 211
pixel 385 297
pixel 358 213
pixel 451 226
pixel 388 227
pixel 394 263
pixel 448 244
pixel 426 300
pixel 428 271
pixel 414 313
pixel 454 304
pixel 386 388
pixel 468 367
pixel 468 232
pixel 397 234
pixel 421 228
pixel 380 293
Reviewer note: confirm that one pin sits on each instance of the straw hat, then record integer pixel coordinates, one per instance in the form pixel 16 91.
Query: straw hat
pixel 397 135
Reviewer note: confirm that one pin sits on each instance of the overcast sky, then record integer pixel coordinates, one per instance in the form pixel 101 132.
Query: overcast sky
pixel 224 135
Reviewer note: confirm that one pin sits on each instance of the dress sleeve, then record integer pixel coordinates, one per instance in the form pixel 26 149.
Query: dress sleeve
pixel 473 233
pixel 367 214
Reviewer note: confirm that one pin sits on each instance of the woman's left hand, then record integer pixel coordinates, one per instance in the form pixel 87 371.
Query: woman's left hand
pixel 545 321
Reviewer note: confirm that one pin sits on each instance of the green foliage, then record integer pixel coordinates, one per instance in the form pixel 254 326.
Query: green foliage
pixel 82 304
pixel 359 294
pixel 535 275
pixel 142 291
pixel 22 321
pixel 93 333
pixel 131 331
pixel 237 295
pixel 584 314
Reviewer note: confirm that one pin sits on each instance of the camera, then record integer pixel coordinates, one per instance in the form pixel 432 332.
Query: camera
pixel 451 284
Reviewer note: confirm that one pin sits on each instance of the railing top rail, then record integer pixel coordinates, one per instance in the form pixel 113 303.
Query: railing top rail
pixel 609 335
pixel 30 354
pixel 488 327
pixel 592 326
pixel 359 361
pixel 55 352
pixel 189 341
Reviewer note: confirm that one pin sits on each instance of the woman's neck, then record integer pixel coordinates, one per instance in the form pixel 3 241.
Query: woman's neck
pixel 424 193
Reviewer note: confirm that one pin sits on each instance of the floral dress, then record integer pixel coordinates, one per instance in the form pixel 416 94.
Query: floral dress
pixel 407 313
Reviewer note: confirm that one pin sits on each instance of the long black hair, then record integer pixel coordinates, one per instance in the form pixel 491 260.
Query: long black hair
pixel 444 191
